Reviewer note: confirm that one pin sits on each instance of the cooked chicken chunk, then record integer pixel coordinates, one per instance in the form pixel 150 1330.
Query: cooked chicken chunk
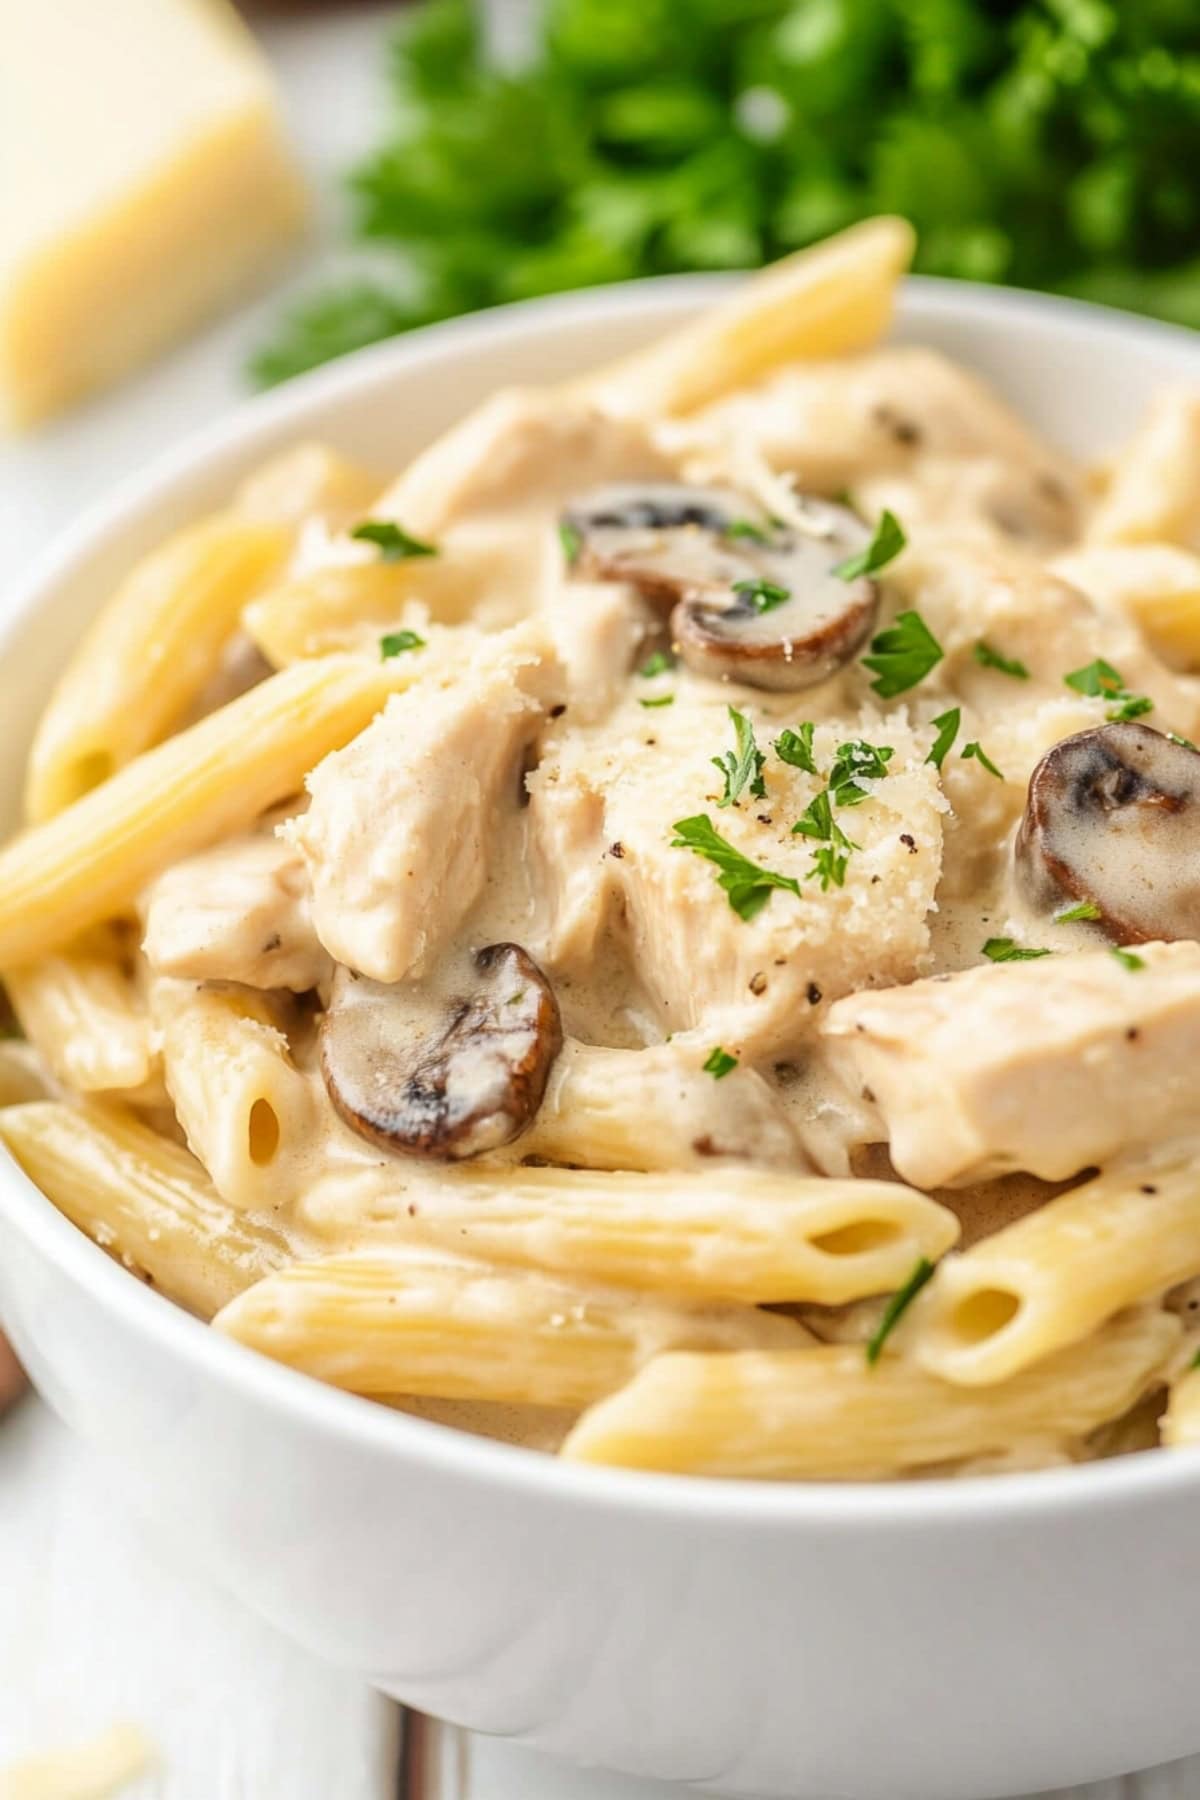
pixel 1046 1066
pixel 903 411
pixel 402 829
pixel 238 913
pixel 605 805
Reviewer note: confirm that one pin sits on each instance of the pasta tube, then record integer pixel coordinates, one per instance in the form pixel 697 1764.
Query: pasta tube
pixel 1055 1275
pixel 246 1111
pixel 735 1233
pixel 22 1074
pixel 824 1414
pixel 305 481
pixel 83 1014
pixel 143 1198
pixel 411 1321
pixel 829 300
pixel 1180 1426
pixel 1154 494
pixel 1155 585
pixel 151 649
pixel 89 862
pixel 657 1109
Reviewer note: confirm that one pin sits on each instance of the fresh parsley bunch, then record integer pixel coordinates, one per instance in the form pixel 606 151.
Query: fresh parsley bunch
pixel 1047 143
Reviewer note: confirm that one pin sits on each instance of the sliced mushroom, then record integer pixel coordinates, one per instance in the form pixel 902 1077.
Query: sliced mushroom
pixel 753 600
pixel 1113 817
pixel 431 1072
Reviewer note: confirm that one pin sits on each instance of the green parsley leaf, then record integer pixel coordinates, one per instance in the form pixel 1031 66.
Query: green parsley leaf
pixel 981 756
pixel 1185 744
pixel 763 596
pixel 1085 909
pixel 394 643
pixel 902 655
pixel 817 821
pixel 719 1063
pixel 571 539
pixel 658 664
pixel 1195 1362
pixel 1128 960
pixel 748 886
pixel 947 730
pixel 1099 680
pixel 886 544
pixel 746 528
pixel 742 766
pixel 854 762
pixel 392 541
pixel 796 748
pixel 828 867
pixel 1005 950
pixel 1004 665
pixel 1131 707
pixel 897 1306
pixel 1098 677
pixel 657 700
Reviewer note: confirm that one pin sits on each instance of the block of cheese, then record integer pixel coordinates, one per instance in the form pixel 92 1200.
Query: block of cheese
pixel 144 179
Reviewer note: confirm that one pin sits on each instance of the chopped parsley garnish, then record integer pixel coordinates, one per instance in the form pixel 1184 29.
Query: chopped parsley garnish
pixel 1085 909
pixel 571 539
pixel 1128 960
pixel 897 1306
pixel 1195 1363
pixel 742 766
pixel 719 1063
pixel 828 867
pixel 988 658
pixel 763 596
pixel 391 540
pixel 817 821
pixel 795 748
pixel 658 664
pixel 829 861
pixel 1186 744
pixel 902 655
pixel 748 886
pixel 1005 950
pixel 947 724
pixel 855 762
pixel 658 700
pixel 981 756
pixel 395 643
pixel 1099 680
pixel 886 544
pixel 746 528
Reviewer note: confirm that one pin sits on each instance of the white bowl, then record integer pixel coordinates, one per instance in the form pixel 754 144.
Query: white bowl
pixel 924 1641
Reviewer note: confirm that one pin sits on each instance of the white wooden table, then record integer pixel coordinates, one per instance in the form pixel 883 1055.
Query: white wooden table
pixel 94 1627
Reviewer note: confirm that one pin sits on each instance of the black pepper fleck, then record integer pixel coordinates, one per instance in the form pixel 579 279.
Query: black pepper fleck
pixel 758 983
pixel 814 994
pixel 617 849
pixel 906 837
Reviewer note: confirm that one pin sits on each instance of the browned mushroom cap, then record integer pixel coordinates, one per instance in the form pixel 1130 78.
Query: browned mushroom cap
pixel 433 1073
pixel 753 600
pixel 1113 817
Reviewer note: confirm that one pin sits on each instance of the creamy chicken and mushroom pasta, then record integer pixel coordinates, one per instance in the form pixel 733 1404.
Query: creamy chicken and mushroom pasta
pixel 671 932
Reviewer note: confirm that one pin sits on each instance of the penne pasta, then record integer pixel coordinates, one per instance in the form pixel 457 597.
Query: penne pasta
pixel 415 1321
pixel 1155 585
pixel 84 1015
pixel 1154 492
pixel 826 1415
pixel 638 1109
pixel 247 1113
pixel 1056 1275
pixel 142 1198
pixel 150 650
pixel 306 482
pixel 829 300
pixel 738 1233
pixel 1180 1424
pixel 23 1075
pixel 88 863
